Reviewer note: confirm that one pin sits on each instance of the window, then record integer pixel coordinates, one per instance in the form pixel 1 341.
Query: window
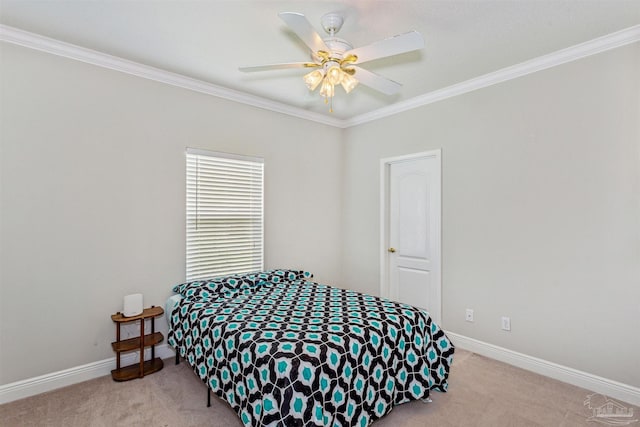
pixel 224 214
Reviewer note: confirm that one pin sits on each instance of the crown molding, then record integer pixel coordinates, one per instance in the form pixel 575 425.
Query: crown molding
pixel 582 50
pixel 71 51
pixel 67 50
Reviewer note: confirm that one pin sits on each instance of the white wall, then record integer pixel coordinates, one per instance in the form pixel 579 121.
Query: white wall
pixel 541 210
pixel 92 194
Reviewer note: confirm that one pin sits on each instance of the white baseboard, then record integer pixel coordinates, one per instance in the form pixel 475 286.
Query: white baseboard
pixel 614 389
pixel 32 386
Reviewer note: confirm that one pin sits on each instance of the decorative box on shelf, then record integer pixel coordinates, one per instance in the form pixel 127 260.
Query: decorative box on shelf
pixel 139 343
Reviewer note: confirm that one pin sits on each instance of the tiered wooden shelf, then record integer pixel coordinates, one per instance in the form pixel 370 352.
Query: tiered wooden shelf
pixel 139 343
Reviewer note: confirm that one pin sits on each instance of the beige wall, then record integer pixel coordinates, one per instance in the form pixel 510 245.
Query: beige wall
pixel 92 197
pixel 541 210
pixel 541 204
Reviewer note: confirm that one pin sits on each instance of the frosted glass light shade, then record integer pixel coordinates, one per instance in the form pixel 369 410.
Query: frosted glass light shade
pixel 348 82
pixel 313 79
pixel 334 75
pixel 327 90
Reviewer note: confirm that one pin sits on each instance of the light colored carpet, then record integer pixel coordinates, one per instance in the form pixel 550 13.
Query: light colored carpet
pixel 482 392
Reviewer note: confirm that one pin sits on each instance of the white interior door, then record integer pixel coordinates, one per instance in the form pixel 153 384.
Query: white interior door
pixel 412 249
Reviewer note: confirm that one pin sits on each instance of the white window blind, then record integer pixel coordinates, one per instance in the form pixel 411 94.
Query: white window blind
pixel 224 214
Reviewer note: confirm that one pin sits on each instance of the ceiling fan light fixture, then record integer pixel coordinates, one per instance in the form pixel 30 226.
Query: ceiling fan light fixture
pixel 338 60
pixel 334 75
pixel 313 79
pixel 328 89
pixel 348 82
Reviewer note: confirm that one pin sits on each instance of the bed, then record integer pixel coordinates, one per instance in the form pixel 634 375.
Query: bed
pixel 283 350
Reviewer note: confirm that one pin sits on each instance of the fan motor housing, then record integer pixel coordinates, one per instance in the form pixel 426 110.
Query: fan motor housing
pixel 338 46
pixel 332 23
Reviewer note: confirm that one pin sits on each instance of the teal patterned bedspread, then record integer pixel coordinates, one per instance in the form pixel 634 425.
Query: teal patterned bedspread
pixel 285 351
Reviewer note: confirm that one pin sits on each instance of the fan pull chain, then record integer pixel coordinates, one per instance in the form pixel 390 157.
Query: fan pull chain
pixel 329 100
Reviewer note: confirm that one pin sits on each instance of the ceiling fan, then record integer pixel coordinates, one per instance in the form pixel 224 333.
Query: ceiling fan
pixel 335 60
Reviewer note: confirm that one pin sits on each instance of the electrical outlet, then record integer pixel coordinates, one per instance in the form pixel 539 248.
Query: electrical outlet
pixel 506 323
pixel 469 315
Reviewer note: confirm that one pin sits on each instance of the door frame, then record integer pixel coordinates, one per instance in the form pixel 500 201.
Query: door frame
pixel 385 165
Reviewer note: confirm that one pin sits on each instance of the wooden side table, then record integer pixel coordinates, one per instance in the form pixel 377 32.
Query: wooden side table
pixel 139 343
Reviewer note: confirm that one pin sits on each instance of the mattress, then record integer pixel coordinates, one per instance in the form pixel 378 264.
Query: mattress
pixel 169 305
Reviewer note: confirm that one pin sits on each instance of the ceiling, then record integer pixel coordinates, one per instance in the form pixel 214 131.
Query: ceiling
pixel 209 40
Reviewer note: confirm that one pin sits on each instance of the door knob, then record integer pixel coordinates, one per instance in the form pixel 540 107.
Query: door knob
pixel 392 250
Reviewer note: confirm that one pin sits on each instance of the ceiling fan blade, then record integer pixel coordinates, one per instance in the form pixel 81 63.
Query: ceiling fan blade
pixel 304 30
pixel 282 66
pixel 376 81
pixel 401 43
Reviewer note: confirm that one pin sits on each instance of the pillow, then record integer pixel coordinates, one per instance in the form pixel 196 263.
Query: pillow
pixel 281 275
pixel 206 288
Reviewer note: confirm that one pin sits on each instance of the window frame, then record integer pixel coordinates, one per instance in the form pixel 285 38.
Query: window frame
pixel 203 246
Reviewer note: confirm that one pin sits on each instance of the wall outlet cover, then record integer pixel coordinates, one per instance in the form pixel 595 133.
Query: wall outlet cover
pixel 506 323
